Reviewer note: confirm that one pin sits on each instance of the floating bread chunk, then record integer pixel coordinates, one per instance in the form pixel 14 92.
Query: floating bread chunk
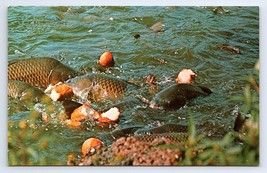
pixel 89 144
pixel 110 116
pixel 85 112
pixel 81 113
pixel 61 92
pixel 186 76
pixel 106 59
pixel 78 115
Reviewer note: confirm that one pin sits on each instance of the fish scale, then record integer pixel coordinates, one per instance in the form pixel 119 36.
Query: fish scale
pixel 174 137
pixel 24 70
pixel 109 84
pixel 39 72
pixel 100 86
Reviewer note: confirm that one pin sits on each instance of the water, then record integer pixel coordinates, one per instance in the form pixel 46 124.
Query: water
pixel 193 38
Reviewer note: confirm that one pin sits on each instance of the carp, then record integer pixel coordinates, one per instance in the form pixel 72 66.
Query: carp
pixel 98 87
pixel 177 95
pixel 39 72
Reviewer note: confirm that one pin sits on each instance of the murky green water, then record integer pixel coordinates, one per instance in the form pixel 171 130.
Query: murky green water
pixel 193 38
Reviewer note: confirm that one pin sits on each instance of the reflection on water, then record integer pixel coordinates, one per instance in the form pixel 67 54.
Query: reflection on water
pixel 189 37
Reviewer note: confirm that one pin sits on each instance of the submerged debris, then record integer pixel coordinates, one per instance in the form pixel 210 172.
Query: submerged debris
pixel 151 79
pixel 230 49
pixel 219 10
pixel 157 27
pixel 137 36
pixel 69 12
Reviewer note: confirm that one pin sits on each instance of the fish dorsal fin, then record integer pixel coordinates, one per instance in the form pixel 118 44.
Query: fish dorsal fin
pixel 13 61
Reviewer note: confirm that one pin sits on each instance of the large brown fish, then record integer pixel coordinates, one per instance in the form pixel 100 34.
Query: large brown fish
pixel 177 95
pixel 39 72
pixel 98 87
